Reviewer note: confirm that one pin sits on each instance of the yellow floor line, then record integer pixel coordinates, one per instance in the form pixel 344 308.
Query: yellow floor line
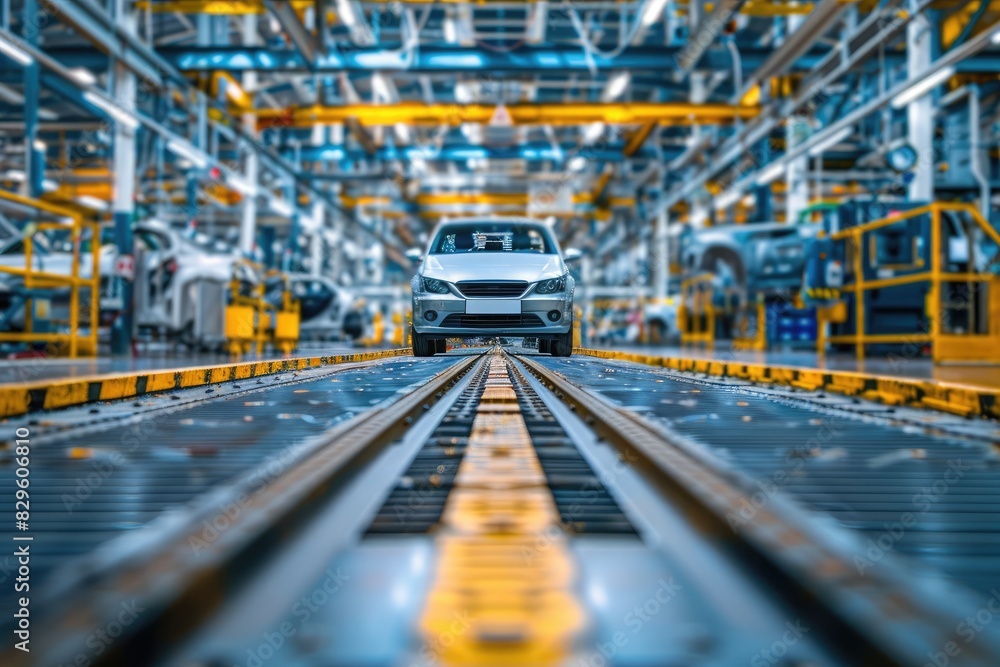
pixel 502 592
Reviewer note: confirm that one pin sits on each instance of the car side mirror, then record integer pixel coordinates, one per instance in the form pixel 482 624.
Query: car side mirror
pixel 414 255
pixel 572 254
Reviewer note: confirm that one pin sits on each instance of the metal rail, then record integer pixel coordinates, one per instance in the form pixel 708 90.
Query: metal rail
pixel 890 619
pixel 178 587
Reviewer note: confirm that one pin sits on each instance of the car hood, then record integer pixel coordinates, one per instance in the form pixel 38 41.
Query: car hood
pixel 493 266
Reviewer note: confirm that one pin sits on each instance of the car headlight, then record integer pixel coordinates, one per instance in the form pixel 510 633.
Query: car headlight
pixel 551 286
pixel 435 286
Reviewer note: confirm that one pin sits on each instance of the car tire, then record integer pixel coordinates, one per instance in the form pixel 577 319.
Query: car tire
pixel 544 345
pixel 563 345
pixel 440 345
pixel 422 345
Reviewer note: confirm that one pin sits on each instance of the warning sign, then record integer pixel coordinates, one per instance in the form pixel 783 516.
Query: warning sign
pixel 501 117
pixel 125 267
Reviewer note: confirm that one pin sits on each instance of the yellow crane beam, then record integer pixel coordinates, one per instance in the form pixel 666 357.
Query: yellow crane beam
pixel 215 7
pixel 510 198
pixel 415 113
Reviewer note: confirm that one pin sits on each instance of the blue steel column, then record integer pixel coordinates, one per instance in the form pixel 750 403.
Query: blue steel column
pixel 763 194
pixel 34 167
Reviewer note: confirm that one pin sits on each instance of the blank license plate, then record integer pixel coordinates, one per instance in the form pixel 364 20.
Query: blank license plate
pixel 493 307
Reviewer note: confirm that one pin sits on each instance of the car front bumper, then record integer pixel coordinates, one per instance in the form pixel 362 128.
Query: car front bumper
pixel 451 317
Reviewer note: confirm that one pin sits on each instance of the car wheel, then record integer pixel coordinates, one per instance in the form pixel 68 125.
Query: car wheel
pixel 563 345
pixel 544 345
pixel 422 345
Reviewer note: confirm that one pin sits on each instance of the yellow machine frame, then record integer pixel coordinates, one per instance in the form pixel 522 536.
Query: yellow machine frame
pixel 287 321
pixel 945 347
pixel 250 319
pixel 42 279
pixel 696 312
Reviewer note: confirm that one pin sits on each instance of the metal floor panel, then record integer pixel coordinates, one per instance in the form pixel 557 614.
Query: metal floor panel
pixel 866 474
pixel 87 489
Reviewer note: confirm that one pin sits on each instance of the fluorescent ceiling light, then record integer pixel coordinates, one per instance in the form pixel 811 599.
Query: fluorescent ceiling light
pixel 593 132
pixel 185 150
pixel 241 185
pixel 463 92
pixel 450 30
pixel 93 202
pixel 346 13
pixel 14 52
pixel 49 185
pixel 616 86
pixel 113 110
pixel 577 163
pixel 830 141
pixel 652 11
pixel 770 173
pixel 83 75
pixel 14 175
pixel 233 90
pixel 995 37
pixel 922 86
pixel 40 145
pixel 281 207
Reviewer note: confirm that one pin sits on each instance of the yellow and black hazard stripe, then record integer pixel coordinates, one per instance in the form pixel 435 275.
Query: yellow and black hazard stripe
pixel 24 398
pixel 960 399
pixel 823 293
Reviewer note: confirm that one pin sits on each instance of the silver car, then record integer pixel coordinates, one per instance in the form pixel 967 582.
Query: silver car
pixel 493 277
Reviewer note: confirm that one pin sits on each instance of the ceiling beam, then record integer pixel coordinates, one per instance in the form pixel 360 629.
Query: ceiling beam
pixel 306 43
pixel 663 113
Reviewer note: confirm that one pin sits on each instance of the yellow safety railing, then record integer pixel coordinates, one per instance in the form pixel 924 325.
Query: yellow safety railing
pixel 945 346
pixel 696 312
pixel 74 342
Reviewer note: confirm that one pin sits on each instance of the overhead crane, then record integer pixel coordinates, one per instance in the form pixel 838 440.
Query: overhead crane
pixel 667 113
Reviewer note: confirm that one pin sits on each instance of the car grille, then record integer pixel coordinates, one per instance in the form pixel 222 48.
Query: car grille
pixel 499 288
pixel 491 321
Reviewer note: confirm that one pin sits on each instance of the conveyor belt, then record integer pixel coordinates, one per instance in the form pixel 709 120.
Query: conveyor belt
pixel 478 518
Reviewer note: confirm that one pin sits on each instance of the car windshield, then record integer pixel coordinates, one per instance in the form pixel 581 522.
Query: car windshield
pixel 492 237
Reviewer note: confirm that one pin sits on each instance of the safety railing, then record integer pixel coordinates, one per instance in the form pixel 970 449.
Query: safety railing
pixel 926 265
pixel 71 341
